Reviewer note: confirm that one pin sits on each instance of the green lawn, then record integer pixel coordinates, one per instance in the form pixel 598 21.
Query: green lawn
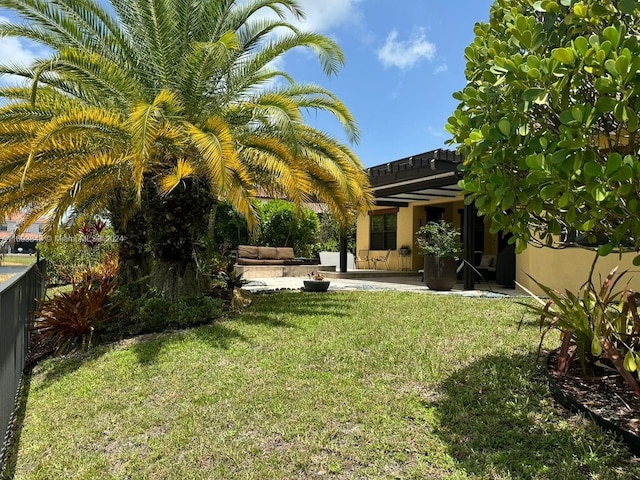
pixel 343 385
pixel 14 260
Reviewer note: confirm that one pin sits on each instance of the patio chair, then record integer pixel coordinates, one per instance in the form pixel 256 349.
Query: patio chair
pixel 384 259
pixel 363 258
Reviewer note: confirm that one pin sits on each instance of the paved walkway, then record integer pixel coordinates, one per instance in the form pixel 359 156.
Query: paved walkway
pixel 401 284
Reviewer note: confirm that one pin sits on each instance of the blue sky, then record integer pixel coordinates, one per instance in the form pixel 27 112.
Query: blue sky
pixel 404 60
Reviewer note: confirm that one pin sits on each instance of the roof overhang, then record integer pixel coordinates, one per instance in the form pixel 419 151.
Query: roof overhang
pixel 423 177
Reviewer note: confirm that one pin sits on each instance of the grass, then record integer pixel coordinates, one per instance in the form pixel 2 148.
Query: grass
pixel 14 261
pixel 18 260
pixel 358 385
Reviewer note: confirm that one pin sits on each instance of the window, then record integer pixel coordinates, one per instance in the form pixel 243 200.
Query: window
pixel 3 227
pixel 40 228
pixel 384 230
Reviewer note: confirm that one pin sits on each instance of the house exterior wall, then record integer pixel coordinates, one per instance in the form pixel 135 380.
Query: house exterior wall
pixel 568 268
pixel 409 220
pixel 562 269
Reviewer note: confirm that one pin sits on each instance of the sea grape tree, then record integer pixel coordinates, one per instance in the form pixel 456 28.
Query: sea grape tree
pixel 548 121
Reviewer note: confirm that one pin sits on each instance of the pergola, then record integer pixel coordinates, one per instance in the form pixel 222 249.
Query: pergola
pixel 426 176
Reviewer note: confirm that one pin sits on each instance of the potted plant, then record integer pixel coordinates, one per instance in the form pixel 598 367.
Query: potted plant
pixel 316 283
pixel 440 244
pixel 404 251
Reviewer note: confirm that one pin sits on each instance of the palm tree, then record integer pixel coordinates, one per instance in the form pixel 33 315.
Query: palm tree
pixel 154 110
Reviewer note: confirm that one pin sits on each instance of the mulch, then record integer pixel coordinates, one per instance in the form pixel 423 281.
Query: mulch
pixel 602 394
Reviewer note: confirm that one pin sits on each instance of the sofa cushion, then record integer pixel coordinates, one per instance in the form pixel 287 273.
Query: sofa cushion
pixel 284 253
pixel 267 253
pixel 247 251
pixel 487 261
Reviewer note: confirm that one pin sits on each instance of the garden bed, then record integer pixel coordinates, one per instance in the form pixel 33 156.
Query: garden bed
pixel 602 395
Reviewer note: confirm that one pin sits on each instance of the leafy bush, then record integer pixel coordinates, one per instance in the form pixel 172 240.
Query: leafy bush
pixel 440 239
pixel 328 236
pixel 230 227
pixel 141 309
pixel 281 225
pixel 597 325
pixel 72 317
pixel 71 255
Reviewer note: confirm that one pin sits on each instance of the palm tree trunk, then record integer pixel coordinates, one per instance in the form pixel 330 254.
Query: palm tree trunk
pixel 177 229
pixel 134 260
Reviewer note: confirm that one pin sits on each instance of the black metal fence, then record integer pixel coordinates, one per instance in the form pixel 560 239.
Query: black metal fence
pixel 17 304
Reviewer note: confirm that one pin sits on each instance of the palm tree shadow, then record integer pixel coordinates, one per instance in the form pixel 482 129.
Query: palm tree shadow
pixel 218 335
pixel 499 421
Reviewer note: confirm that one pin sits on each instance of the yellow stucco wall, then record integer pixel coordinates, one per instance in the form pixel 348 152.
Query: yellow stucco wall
pixel 568 268
pixel 409 220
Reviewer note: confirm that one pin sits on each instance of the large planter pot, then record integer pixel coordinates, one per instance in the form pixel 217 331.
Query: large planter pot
pixel 316 285
pixel 440 272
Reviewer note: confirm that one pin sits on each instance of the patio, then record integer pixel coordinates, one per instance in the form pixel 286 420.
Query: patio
pixel 379 280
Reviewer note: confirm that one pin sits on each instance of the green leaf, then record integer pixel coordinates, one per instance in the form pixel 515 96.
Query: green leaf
pixel 629 363
pixel 605 85
pixel 605 105
pixel 577 113
pixel 535 162
pixel 632 120
pixel 612 34
pixel 622 65
pixel 628 6
pixel 636 260
pixel 505 126
pixel 614 162
pixel 533 94
pixel 563 55
pixel 599 193
pixel 534 73
pixel 605 249
pixel 596 348
pixel 582 45
pixel 610 66
pixel 593 169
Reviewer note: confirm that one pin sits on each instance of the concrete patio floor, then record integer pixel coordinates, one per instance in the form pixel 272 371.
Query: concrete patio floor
pixel 370 280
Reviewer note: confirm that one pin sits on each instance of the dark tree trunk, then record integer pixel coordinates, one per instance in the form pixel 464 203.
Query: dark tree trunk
pixel 134 261
pixel 177 229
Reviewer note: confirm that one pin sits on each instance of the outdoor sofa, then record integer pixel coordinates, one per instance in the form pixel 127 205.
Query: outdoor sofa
pixel 250 255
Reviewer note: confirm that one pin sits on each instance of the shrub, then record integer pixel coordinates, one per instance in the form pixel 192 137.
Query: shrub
pixel 69 319
pixel 281 225
pixel 72 255
pixel 440 239
pixel 230 227
pixel 597 325
pixel 328 236
pixel 141 310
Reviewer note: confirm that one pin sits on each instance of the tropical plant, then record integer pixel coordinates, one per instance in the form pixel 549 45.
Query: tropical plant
pixel 282 224
pixel 154 110
pixel 439 239
pixel 231 228
pixel 69 319
pixel 596 325
pixel 139 309
pixel 548 120
pixel 69 257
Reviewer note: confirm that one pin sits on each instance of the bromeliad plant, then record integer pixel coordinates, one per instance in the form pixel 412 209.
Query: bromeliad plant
pixel 69 319
pixel 597 325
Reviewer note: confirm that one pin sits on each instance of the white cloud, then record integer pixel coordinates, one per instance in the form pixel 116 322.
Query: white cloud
pixel 322 16
pixel 406 54
pixel 441 69
pixel 434 132
pixel 16 52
